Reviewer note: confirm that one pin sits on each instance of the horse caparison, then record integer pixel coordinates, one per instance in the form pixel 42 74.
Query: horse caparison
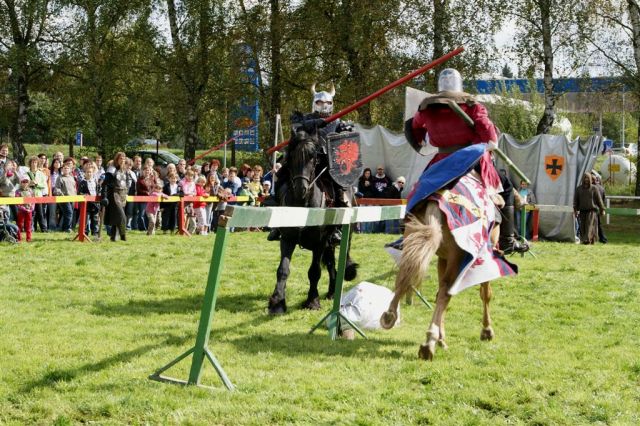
pixel 308 185
pixel 427 234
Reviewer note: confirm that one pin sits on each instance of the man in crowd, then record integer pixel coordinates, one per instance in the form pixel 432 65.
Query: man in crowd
pixel 380 182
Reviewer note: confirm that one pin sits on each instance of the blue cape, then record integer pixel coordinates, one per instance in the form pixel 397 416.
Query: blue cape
pixel 444 172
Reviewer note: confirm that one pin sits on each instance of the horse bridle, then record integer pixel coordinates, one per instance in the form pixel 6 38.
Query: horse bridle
pixel 313 178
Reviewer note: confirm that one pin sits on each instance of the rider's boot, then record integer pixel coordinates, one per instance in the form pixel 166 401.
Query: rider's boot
pixel 397 244
pixel 508 242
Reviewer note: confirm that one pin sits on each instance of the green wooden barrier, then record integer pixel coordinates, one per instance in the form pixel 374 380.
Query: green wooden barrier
pixel 243 217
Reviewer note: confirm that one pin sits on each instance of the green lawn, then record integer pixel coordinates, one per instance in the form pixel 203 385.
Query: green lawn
pixel 83 325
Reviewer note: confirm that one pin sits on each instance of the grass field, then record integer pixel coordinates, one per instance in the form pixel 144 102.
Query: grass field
pixel 83 325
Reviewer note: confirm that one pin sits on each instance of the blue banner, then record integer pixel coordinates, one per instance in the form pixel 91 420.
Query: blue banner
pixel 247 114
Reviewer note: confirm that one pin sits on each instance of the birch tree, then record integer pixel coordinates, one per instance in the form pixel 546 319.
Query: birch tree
pixel 548 36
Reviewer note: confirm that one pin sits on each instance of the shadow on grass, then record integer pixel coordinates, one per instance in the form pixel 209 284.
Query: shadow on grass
pixel 303 344
pixel 185 304
pixel 53 378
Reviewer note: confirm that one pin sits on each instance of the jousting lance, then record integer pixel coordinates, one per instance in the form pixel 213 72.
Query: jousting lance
pixel 385 89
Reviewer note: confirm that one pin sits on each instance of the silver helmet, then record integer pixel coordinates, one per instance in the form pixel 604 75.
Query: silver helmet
pixel 323 101
pixel 450 80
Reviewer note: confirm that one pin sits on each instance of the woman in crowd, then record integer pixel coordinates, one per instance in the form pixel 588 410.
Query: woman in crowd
pixel 52 213
pixel 114 196
pixel 212 187
pixel 365 184
pixel 40 188
pixel 170 211
pixel 214 167
pixel 205 168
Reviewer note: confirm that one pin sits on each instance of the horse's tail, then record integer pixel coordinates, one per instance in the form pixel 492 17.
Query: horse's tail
pixel 420 244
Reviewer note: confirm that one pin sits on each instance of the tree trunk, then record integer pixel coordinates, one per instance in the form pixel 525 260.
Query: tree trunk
pixel 191 131
pixel 634 16
pixel 548 116
pixel 276 65
pixel 20 124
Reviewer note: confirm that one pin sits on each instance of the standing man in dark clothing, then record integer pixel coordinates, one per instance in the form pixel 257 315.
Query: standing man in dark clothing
pixel 508 242
pixel 380 182
pixel 597 182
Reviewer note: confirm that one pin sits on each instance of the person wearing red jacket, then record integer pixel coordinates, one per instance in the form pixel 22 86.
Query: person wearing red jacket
pixel 453 120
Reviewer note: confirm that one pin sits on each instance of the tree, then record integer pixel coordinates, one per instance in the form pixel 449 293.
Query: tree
pixel 506 71
pixel 618 43
pixel 98 59
pixel 24 27
pixel 548 29
pixel 196 28
pixel 440 26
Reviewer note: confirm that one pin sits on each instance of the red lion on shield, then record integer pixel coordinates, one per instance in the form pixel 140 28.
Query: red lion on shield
pixel 347 155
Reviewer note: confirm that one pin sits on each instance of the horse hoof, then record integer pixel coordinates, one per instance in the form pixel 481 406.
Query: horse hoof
pixel 351 272
pixel 487 334
pixel 388 319
pixel 312 304
pixel 443 345
pixel 426 352
pixel 277 307
pixel 329 296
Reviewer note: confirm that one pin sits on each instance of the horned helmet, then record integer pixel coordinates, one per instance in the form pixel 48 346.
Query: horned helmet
pixel 323 101
pixel 450 80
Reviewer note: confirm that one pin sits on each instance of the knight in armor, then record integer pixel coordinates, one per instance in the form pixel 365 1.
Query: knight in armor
pixel 454 120
pixel 114 196
pixel 314 125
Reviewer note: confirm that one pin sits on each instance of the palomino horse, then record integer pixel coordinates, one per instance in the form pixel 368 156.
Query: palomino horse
pixel 427 233
pixel 308 185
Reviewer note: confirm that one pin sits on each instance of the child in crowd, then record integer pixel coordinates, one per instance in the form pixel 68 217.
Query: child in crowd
pixel 223 196
pixel 244 192
pixel 153 208
pixel 199 207
pixel 89 186
pixel 188 186
pixel 40 188
pixel 190 218
pixel 66 185
pixel 25 211
pixel 255 187
pixel 170 216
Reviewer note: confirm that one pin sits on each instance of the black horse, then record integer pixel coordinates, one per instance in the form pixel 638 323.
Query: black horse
pixel 307 184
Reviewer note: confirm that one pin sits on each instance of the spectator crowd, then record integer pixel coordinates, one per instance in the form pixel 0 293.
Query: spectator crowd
pixel 65 176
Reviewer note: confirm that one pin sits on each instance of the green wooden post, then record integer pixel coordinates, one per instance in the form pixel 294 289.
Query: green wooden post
pixel 200 351
pixel 206 316
pixel 334 317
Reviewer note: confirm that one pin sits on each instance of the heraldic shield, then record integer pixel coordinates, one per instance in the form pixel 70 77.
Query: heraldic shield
pixel 345 158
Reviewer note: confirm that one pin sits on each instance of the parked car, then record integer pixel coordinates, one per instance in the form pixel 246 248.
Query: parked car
pixel 160 158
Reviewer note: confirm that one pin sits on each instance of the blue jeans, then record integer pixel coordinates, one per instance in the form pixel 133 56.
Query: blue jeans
pixel 139 219
pixel 66 213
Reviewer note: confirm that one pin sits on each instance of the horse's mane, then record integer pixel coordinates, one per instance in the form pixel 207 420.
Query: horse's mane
pixel 302 149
